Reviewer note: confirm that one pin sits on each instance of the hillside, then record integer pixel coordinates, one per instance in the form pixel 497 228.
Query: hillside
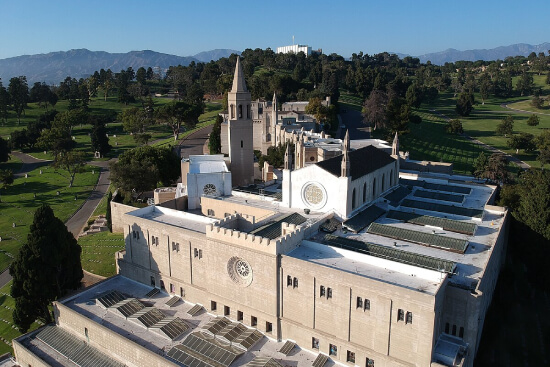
pixel 498 53
pixel 53 67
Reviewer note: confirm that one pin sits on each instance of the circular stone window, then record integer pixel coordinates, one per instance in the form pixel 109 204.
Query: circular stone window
pixel 239 271
pixel 209 189
pixel 314 195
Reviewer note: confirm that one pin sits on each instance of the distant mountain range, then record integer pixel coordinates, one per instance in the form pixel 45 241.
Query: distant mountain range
pixel 498 53
pixel 54 67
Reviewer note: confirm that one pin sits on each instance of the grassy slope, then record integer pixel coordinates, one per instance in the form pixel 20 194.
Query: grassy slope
pixel 18 203
pixel 98 252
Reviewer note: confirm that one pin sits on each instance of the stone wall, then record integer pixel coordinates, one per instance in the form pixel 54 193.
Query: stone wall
pixel 107 341
pixel 25 357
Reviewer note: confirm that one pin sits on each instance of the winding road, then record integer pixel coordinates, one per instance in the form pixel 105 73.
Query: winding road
pixel 194 143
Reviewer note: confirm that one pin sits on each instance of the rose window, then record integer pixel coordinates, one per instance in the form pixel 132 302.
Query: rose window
pixel 239 271
pixel 313 194
pixel 209 189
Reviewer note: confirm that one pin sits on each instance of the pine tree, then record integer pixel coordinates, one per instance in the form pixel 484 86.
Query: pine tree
pixel 45 268
pixel 108 213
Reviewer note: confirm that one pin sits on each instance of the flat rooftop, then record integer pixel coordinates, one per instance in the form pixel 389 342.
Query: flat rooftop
pixel 176 218
pixel 85 304
pixel 387 271
pixel 470 265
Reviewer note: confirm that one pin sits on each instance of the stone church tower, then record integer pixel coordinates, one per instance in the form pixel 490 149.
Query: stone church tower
pixel 240 136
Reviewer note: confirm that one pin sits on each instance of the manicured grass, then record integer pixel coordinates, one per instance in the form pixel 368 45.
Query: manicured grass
pixel 14 164
pixel 8 330
pixel 98 252
pixel 429 141
pixel 526 106
pixel 18 203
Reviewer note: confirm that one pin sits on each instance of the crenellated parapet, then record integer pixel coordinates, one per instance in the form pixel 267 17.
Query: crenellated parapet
pixel 230 231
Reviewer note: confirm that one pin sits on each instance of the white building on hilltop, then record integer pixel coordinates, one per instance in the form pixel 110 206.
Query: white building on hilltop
pixel 294 49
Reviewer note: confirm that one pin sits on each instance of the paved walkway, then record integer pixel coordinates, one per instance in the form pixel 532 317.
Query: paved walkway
pixel 195 143
pixel 29 163
pixel 490 148
pixel 505 105
pixel 80 218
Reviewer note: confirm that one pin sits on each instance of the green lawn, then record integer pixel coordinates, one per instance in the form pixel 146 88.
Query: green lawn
pixel 429 141
pixel 8 331
pixel 18 203
pixel 526 106
pixel 98 252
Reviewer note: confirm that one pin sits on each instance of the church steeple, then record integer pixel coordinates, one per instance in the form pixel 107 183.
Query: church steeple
pixel 288 158
pixel 345 159
pixel 274 118
pixel 395 146
pixel 239 84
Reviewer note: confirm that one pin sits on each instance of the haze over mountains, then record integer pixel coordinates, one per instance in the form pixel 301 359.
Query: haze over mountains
pixel 54 67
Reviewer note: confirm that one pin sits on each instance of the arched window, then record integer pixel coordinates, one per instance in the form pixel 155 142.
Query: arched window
pixel 240 111
pixel 383 179
pixel 364 192
pixel 247 111
pixel 373 188
pixel 232 112
pixel 353 200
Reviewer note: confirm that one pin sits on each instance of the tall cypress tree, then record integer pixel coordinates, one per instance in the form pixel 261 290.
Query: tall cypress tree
pixel 45 268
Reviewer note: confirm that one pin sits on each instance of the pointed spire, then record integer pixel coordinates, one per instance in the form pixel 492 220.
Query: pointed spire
pixel 239 84
pixel 287 157
pixel 275 99
pixel 345 169
pixel 346 141
pixel 395 146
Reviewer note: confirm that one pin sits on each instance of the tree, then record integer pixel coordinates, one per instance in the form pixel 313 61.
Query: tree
pixel 534 201
pixel 43 95
pixel 46 267
pixel 523 141
pixel 107 82
pixel 176 114
pixel 495 171
pixel 414 95
pixel 141 169
pixel 108 212
pixel 4 150
pixel 136 121
pixel 98 136
pixel 480 165
pixel 141 75
pixel 18 90
pixel 506 126
pixel 485 87
pixel 537 102
pixel 215 141
pixel 465 103
pixel 533 120
pixel 4 102
pixel 71 161
pixel 374 109
pixel 525 83
pixel 6 177
pixel 323 114
pixel 454 126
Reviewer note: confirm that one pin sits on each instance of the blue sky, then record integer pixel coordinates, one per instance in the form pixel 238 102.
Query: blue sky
pixel 184 28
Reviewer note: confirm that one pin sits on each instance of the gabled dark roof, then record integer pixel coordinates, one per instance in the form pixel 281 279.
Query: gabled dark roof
pixel 273 230
pixel 362 162
pixel 364 218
